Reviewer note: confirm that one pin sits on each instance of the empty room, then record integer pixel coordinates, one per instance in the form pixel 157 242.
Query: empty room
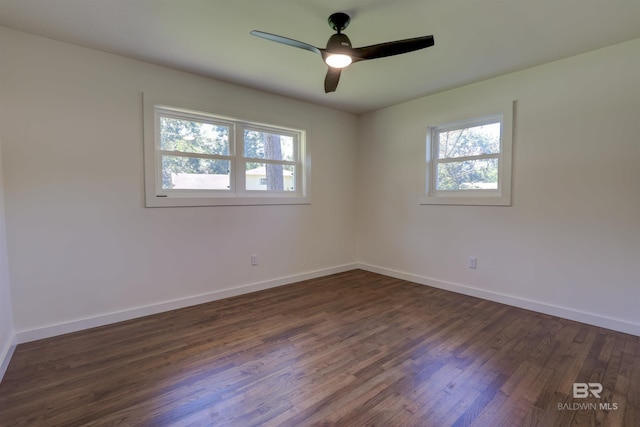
pixel 315 213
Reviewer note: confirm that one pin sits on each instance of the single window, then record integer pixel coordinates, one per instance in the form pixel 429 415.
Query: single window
pixel 194 152
pixel 269 160
pixel 200 159
pixel 468 162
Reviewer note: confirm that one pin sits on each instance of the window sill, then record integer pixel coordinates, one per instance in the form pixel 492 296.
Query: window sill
pixel 466 200
pixel 173 202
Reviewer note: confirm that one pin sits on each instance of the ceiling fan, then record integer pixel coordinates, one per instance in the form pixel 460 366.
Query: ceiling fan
pixel 339 52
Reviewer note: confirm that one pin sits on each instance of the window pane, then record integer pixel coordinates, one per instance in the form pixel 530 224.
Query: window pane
pixel 192 173
pixel 193 137
pixel 479 174
pixel 472 141
pixel 265 145
pixel 270 177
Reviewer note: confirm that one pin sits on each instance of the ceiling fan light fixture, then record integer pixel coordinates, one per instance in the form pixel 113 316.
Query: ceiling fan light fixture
pixel 338 60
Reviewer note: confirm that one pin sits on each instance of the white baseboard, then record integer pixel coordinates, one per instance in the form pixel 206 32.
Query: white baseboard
pixel 108 318
pixel 540 307
pixel 5 355
pixel 114 317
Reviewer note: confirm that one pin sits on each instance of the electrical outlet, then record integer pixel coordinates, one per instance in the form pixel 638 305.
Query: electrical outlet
pixel 254 259
pixel 473 262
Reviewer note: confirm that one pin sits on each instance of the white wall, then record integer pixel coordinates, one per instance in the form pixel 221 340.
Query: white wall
pixel 7 335
pixel 83 249
pixel 570 244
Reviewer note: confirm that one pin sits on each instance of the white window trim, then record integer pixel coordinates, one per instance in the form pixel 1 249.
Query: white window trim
pixel 499 197
pixel 156 196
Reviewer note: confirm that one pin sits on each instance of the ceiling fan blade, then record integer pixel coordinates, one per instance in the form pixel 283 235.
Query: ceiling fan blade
pixel 287 41
pixel 332 79
pixel 391 48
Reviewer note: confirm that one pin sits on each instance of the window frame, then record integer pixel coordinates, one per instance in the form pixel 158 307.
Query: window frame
pixel 237 194
pixel 482 197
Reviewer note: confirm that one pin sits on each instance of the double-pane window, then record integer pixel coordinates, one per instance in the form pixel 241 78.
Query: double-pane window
pixel 468 162
pixel 202 159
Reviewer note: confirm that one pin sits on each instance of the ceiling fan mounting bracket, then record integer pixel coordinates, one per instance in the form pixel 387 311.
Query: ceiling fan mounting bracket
pixel 339 21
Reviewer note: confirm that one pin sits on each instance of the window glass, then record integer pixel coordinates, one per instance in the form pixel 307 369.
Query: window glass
pixel 192 173
pixel 270 177
pixel 268 145
pixel 193 137
pixel 471 141
pixel 481 174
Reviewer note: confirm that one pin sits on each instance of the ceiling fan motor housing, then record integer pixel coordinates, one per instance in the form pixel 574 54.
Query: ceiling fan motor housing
pixel 339 43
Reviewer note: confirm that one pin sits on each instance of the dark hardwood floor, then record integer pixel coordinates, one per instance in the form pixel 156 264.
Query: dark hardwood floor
pixel 352 349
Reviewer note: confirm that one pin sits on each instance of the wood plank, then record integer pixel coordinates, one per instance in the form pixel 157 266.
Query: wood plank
pixel 355 348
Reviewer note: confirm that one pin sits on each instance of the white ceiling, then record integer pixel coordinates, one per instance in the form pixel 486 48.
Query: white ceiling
pixel 474 39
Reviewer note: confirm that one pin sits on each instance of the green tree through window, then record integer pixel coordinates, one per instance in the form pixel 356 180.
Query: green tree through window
pixel 467 157
pixel 184 138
